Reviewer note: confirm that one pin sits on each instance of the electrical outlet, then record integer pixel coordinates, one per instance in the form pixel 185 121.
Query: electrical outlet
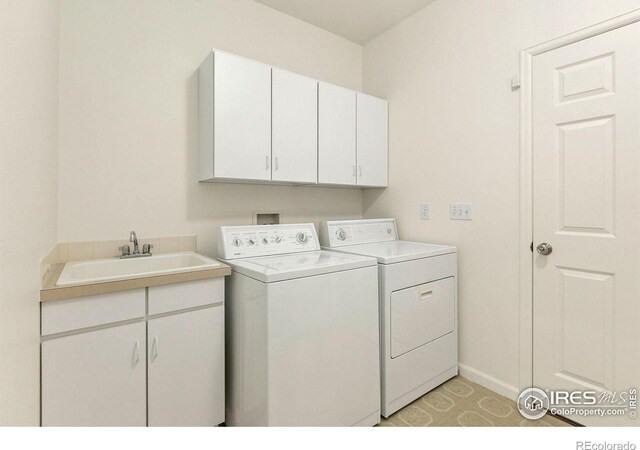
pixel 424 211
pixel 460 211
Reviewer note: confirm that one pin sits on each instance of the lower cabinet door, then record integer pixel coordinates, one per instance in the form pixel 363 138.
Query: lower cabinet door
pixel 95 378
pixel 186 368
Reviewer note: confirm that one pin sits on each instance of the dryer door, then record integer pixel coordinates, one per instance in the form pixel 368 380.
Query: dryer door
pixel 421 314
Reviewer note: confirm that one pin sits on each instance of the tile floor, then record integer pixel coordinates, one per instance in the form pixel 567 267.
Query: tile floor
pixel 461 403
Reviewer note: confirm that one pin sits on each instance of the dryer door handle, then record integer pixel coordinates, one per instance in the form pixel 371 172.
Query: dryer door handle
pixel 426 295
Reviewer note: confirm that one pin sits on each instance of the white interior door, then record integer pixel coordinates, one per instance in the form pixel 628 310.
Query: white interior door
pixel 186 368
pixel 586 166
pixel 242 118
pixel 336 135
pixel 96 378
pixel 294 128
pixel 372 141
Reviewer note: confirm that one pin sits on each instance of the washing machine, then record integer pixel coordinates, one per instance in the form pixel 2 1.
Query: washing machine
pixel 302 330
pixel 418 306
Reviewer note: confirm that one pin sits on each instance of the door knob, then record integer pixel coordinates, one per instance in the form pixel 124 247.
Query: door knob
pixel 544 248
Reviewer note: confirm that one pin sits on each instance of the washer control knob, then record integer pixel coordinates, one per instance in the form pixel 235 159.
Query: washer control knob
pixel 265 241
pixel 342 235
pixel 302 238
pixel 278 239
pixel 388 230
pixel 251 241
pixel 237 242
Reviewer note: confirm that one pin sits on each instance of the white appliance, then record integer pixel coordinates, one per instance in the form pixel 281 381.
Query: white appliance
pixel 418 307
pixel 302 330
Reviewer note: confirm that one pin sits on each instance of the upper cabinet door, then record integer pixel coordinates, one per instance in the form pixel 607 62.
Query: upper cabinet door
pixel 336 135
pixel 295 128
pixel 242 118
pixel 372 141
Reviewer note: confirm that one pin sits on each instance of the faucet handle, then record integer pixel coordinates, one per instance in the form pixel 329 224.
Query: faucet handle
pixel 125 249
pixel 146 249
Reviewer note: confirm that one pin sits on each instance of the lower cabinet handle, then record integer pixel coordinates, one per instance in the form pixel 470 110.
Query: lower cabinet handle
pixel 276 163
pixel 354 170
pixel 360 171
pixel 154 348
pixel 136 354
pixel 267 160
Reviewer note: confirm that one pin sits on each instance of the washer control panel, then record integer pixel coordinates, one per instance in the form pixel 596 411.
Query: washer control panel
pixel 338 233
pixel 265 240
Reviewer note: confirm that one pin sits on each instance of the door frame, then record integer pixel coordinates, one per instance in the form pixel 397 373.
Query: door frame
pixel 526 179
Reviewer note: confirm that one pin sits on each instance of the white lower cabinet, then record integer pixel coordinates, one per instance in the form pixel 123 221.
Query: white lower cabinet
pixel 185 381
pixel 96 378
pixel 165 369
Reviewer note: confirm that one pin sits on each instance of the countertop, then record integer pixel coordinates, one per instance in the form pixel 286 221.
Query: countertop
pixel 51 292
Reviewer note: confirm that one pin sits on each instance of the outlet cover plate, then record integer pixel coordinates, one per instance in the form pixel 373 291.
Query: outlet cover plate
pixel 424 211
pixel 460 211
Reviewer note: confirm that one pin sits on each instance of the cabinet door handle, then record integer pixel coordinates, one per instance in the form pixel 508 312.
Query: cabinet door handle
pixel 154 348
pixel 267 160
pixel 276 163
pixel 360 171
pixel 136 354
pixel 353 170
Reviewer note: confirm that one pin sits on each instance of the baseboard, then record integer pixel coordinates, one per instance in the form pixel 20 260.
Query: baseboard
pixel 489 382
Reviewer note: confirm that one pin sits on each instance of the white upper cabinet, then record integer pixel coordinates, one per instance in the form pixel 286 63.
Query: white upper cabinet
pixel 259 124
pixel 336 135
pixel 294 128
pixel 235 104
pixel 372 141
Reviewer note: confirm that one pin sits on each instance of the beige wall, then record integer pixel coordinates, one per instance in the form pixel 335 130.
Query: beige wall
pixel 127 142
pixel 28 193
pixel 454 138
pixel 128 115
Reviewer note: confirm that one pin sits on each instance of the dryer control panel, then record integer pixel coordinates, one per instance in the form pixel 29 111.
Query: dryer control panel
pixel 265 240
pixel 338 233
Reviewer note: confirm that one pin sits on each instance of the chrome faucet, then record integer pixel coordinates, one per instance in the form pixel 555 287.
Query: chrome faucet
pixel 126 250
pixel 133 238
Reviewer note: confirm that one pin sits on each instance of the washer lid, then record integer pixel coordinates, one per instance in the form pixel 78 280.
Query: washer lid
pixel 391 252
pixel 269 269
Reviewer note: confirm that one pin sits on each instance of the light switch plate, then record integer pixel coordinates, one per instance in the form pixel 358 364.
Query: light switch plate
pixel 460 211
pixel 424 211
